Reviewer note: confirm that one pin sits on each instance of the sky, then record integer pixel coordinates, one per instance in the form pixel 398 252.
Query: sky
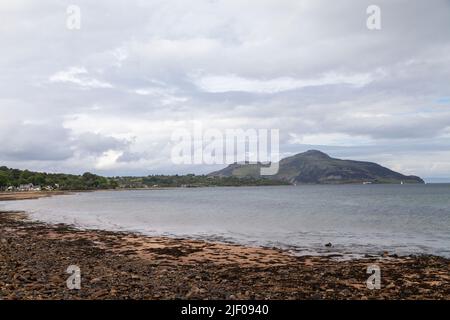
pixel 106 97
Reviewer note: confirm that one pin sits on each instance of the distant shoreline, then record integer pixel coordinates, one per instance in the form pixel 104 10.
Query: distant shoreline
pixel 29 195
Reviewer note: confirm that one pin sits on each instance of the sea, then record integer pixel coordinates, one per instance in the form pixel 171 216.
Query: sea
pixel 357 220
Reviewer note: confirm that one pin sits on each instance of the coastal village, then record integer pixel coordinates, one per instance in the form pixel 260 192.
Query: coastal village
pixel 31 187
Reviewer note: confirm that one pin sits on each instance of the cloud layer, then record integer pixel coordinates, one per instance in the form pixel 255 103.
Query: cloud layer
pixel 107 97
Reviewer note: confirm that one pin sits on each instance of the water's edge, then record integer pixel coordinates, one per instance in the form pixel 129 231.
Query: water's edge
pixel 254 217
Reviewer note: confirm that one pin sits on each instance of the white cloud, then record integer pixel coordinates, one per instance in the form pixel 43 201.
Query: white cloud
pixel 80 77
pixel 330 139
pixel 165 96
pixel 108 160
pixel 217 84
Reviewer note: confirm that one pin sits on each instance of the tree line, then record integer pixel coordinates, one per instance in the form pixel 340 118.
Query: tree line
pixel 89 181
pixel 192 180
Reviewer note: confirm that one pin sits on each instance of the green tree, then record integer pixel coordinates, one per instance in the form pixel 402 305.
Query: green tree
pixel 4 180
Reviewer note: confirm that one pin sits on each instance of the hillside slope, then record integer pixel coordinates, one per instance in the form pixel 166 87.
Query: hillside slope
pixel 316 167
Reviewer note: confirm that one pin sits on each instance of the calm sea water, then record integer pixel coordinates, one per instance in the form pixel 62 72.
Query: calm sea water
pixel 356 219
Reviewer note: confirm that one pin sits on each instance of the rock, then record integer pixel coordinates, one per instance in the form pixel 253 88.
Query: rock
pixel 96 280
pixel 390 285
pixel 100 294
pixel 194 290
pixel 328 244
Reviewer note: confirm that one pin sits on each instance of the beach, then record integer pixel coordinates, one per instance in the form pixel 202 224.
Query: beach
pixel 34 258
pixel 28 195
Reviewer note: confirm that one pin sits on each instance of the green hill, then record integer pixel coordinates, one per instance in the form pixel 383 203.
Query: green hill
pixel 316 167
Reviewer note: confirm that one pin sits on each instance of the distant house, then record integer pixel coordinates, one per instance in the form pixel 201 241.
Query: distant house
pixel 48 188
pixel 26 187
pixel 10 188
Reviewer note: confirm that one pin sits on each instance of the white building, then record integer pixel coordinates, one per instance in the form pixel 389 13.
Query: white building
pixel 26 187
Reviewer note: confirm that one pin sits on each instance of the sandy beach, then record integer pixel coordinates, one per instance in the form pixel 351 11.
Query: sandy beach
pixel 34 258
pixel 30 195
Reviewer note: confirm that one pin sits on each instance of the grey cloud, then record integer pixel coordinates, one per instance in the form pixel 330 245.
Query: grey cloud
pixel 97 144
pixel 128 156
pixel 144 66
pixel 25 142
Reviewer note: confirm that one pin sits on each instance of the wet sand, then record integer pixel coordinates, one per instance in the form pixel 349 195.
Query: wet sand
pixel 5 196
pixel 34 258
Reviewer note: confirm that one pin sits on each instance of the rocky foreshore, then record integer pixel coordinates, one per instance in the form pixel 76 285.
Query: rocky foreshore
pixel 34 258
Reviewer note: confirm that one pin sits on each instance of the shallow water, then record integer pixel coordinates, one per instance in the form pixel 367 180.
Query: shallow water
pixel 356 219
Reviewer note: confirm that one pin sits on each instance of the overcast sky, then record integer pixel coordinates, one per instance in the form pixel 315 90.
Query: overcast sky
pixel 107 97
